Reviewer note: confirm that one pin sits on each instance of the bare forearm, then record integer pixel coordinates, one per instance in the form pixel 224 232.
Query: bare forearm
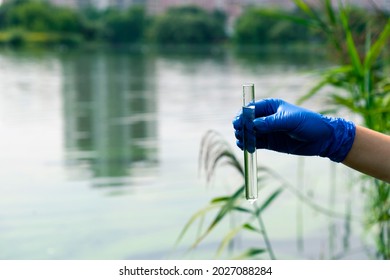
pixel 370 154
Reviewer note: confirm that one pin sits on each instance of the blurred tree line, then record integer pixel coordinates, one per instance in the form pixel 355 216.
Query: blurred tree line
pixel 39 22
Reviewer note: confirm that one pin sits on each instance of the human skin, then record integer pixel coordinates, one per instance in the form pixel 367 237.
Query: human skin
pixel 370 153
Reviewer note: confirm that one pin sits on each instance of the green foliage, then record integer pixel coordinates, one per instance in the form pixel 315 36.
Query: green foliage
pixel 92 23
pixel 38 22
pixel 361 81
pixel 38 16
pixel 71 27
pixel 33 16
pixel 379 216
pixel 16 38
pixel 361 85
pixel 214 153
pixel 188 25
pixel 125 26
pixel 67 20
pixel 257 26
pixel 251 28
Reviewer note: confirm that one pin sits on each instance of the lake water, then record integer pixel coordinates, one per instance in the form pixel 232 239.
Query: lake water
pixel 99 155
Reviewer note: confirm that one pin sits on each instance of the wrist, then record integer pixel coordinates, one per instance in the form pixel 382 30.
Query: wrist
pixel 341 139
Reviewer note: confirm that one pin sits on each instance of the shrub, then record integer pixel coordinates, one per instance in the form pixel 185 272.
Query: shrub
pixel 188 26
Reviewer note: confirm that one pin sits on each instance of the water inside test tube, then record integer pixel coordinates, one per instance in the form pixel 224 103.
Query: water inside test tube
pixel 250 160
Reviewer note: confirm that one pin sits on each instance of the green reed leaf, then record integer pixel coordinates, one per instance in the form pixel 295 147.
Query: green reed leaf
pixel 330 11
pixel 251 228
pixel 313 91
pixel 334 76
pixel 219 199
pixel 225 209
pixel 351 46
pixel 377 47
pixel 304 7
pixel 198 215
pixel 250 253
pixel 345 102
pixel 230 204
pixel 242 209
pixel 268 201
pixel 227 239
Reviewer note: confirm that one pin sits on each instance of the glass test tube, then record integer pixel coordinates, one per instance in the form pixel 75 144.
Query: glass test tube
pixel 250 158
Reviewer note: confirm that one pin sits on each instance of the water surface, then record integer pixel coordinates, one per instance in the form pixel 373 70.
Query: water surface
pixel 99 155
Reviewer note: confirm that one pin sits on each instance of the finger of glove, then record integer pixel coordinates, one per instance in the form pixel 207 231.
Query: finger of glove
pixel 270 141
pixel 266 107
pixel 238 134
pixel 240 144
pixel 277 141
pixel 273 123
pixel 237 123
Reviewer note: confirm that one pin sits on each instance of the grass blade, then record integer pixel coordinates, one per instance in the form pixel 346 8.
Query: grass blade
pixel 199 214
pixel 219 199
pixel 243 210
pixel 351 47
pixel 330 11
pixel 313 91
pixel 304 7
pixel 334 76
pixel 226 240
pixel 377 47
pixel 268 201
pixel 250 253
pixel 251 228
pixel 225 209
pixel 345 102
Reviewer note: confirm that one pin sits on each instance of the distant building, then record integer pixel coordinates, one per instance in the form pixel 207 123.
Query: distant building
pixel 77 3
pixel 158 6
pixel 100 4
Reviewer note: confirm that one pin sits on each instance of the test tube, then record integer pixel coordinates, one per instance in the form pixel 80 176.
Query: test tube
pixel 250 158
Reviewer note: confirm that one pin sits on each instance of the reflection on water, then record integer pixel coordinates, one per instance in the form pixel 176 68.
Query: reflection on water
pixel 110 115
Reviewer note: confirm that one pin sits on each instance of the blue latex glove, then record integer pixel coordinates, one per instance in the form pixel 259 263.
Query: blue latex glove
pixel 283 127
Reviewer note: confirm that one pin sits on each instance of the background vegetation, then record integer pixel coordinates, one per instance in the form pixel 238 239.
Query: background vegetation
pixel 39 22
pixel 188 25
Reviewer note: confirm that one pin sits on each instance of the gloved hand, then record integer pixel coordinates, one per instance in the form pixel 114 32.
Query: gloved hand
pixel 283 127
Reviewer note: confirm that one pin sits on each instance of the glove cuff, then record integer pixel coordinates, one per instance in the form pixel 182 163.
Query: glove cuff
pixel 342 139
